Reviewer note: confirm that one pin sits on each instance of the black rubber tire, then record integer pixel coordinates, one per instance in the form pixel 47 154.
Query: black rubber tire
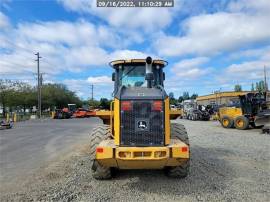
pixel 99 134
pixel 60 116
pixel 179 131
pixel 244 120
pixel 231 123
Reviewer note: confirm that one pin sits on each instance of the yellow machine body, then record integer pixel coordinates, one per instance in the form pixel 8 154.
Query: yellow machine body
pixel 231 112
pixel 111 154
pixel 173 154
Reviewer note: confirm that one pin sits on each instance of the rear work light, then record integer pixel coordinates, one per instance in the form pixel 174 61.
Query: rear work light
pixel 157 106
pixel 126 106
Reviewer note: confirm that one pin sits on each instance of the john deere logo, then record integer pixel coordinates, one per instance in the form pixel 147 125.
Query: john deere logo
pixel 142 125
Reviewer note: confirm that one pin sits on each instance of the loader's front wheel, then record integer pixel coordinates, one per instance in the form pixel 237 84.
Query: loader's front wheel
pixel 98 171
pixel 226 122
pixel 178 131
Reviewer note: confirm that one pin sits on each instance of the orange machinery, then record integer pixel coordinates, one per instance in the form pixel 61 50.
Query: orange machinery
pixel 83 113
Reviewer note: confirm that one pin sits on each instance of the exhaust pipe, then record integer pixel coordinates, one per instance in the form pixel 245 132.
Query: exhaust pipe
pixel 149 76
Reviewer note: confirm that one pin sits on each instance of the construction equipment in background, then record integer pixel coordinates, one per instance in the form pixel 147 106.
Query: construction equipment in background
pixel 62 113
pixel 72 112
pixel 138 133
pixel 72 108
pixel 5 125
pixel 83 113
pixel 243 114
pixel 263 118
pixel 195 112
pixel 176 112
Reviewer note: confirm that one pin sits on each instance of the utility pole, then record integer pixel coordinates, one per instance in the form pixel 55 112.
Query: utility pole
pixel 92 87
pixel 41 80
pixel 265 80
pixel 38 88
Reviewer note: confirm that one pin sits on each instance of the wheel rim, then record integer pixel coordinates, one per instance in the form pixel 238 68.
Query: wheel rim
pixel 240 123
pixel 225 122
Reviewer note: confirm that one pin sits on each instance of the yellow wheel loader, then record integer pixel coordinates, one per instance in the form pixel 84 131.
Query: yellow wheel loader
pixel 137 132
pixel 245 113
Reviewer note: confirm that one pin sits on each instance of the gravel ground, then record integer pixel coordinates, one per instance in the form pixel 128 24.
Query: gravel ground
pixel 226 165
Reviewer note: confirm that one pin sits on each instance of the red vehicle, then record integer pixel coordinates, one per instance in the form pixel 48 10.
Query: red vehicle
pixel 62 114
pixel 82 113
pixel 65 113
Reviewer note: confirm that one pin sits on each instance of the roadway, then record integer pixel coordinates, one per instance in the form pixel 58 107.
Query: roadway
pixel 33 144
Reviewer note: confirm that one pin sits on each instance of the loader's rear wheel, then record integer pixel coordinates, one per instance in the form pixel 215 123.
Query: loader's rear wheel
pixel 179 131
pixel 241 122
pixel 98 171
pixel 226 122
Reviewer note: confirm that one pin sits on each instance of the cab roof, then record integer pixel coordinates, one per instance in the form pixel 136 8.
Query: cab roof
pixel 163 63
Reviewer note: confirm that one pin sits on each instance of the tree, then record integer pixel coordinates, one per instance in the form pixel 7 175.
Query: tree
pixel 194 96
pixel 180 99
pixel 237 88
pixel 171 95
pixel 104 103
pixel 186 95
pixel 25 97
pixel 252 87
pixel 58 95
pixel 8 94
pixel 260 86
pixel 173 101
pixel 20 95
pixel 93 103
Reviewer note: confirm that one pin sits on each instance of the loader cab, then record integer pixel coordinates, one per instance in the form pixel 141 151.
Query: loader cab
pixel 252 103
pixel 140 97
pixel 135 73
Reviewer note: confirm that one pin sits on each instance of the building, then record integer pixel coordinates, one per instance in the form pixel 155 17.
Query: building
pixel 220 98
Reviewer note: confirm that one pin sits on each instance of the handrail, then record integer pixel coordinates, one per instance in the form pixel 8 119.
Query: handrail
pixel 111 116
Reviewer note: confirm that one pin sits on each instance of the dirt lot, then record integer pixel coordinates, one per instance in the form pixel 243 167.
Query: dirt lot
pixel 227 165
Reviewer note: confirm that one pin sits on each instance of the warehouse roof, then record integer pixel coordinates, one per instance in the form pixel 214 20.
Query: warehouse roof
pixel 222 94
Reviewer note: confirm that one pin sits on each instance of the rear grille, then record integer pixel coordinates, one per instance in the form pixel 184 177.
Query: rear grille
pixel 133 135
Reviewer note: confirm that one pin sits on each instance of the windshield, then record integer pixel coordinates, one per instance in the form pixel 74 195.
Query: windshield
pixel 131 76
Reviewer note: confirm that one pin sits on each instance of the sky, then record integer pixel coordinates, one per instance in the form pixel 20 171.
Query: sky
pixel 210 45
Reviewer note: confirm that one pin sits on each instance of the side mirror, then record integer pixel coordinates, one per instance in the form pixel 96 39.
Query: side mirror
pixel 113 76
pixel 163 76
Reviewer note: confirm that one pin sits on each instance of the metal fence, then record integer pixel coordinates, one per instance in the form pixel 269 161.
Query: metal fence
pixel 16 117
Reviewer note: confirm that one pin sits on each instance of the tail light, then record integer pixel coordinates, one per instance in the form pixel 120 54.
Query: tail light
pixel 157 106
pixel 99 150
pixel 126 106
pixel 184 149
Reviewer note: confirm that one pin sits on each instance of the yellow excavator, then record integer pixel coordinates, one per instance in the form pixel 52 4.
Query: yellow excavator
pixel 137 132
